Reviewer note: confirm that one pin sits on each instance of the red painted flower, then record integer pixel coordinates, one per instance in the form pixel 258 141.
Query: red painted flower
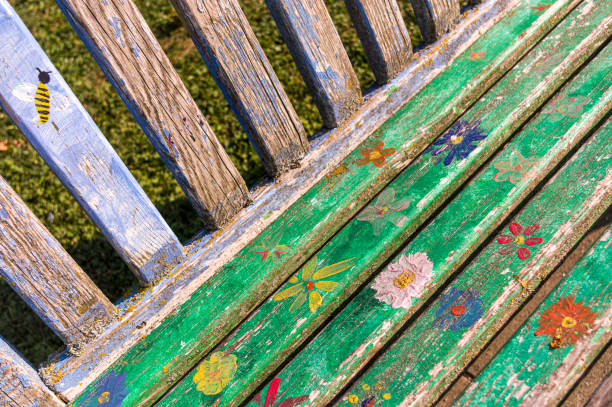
pixel 541 7
pixel 566 321
pixel 519 239
pixel 476 55
pixel 375 155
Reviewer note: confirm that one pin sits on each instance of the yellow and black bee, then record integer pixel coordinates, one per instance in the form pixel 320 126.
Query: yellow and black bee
pixel 42 98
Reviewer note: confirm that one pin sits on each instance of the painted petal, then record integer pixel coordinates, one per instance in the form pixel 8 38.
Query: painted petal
pixel 288 292
pixel 377 225
pixel 502 165
pixel 515 228
pixel 309 268
pixel 380 162
pixel 503 239
pixel 299 300
pixel 332 269
pixel 531 229
pixel 516 177
pixel 385 197
pixel 398 220
pixel 272 390
pixel 314 301
pixel 294 401
pixel 524 253
pixel 500 177
pixel 325 285
pixel 387 151
pixel 449 157
pixel 533 240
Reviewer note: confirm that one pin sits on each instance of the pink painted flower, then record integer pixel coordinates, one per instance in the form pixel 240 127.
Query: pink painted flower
pixel 476 55
pixel 562 106
pixel 515 170
pixel 519 239
pixel 403 280
pixel 385 209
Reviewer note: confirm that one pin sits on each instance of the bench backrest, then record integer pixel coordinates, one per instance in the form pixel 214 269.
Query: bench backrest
pixel 38 100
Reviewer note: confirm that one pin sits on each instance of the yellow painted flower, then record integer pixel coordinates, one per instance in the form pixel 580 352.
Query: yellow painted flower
pixel 353 399
pixel 214 374
pixel 308 283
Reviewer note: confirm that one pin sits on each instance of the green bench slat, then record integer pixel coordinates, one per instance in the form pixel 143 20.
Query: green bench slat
pixel 266 338
pixel 552 349
pixel 170 350
pixel 362 328
pixel 435 348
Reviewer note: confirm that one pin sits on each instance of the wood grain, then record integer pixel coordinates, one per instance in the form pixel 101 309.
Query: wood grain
pixel 320 56
pixel 78 153
pixel 124 46
pixel 417 192
pixel 37 267
pixel 383 34
pixel 435 347
pixel 206 315
pixel 603 394
pixel 20 385
pixel 528 370
pixel 233 55
pixel 435 17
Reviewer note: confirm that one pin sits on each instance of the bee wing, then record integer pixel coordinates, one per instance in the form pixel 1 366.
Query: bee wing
pixel 25 91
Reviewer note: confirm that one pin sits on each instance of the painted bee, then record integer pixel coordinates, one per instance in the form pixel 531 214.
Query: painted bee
pixel 40 97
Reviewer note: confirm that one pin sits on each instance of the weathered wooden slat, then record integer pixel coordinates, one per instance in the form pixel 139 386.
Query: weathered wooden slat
pixel 304 226
pixel 553 348
pixel 233 55
pixel 274 330
pixel 38 268
pixel 383 34
pixel 363 327
pixel 64 134
pixel 603 394
pixel 320 56
pixel 435 348
pixel 124 46
pixel 435 17
pixel 20 385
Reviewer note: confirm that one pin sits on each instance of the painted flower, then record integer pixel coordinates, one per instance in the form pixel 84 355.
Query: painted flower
pixel 457 141
pixel 110 391
pixel 458 309
pixel 376 155
pixel 566 321
pixel 562 106
pixel 403 280
pixel 476 55
pixel 385 209
pixel 520 239
pixel 544 61
pixel 269 249
pixel 541 7
pixel 214 374
pixel 272 394
pixel 515 170
pixel 309 284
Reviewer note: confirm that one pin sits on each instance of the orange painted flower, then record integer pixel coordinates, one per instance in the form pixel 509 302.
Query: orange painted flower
pixel 376 155
pixel 476 55
pixel 566 321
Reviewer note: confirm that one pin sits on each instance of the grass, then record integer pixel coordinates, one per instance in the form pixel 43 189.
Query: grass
pixel 21 166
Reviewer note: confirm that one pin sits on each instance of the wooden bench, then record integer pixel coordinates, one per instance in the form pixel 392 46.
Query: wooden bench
pixel 375 261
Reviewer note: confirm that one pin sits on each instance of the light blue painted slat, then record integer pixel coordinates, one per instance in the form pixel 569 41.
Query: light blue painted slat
pixel 317 50
pixel 38 268
pixel 79 154
pixel 435 17
pixel 20 385
pixel 118 37
pixel 383 33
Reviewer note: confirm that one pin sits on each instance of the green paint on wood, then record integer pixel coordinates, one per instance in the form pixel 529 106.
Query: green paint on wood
pixel 434 349
pixel 557 343
pixel 327 363
pixel 151 366
pixel 297 309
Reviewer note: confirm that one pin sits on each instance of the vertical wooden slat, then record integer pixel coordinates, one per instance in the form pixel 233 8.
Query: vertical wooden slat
pixel 42 105
pixel 383 33
pixel 123 45
pixel 230 49
pixel 435 17
pixel 317 50
pixel 20 385
pixel 38 268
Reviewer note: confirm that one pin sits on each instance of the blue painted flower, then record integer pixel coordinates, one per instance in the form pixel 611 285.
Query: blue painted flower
pixel 457 141
pixel 458 309
pixel 109 392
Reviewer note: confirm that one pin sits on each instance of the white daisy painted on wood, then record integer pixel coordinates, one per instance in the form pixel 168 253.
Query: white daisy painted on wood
pixel 403 280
